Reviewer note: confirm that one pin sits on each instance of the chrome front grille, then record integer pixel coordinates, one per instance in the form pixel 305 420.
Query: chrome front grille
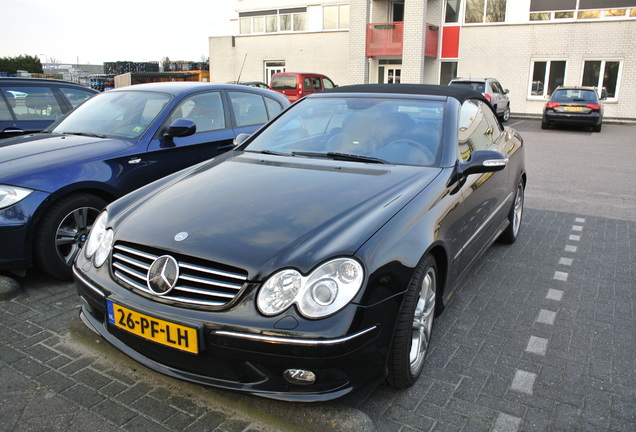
pixel 200 282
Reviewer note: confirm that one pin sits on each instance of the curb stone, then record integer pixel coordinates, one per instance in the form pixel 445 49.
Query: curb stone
pixel 9 288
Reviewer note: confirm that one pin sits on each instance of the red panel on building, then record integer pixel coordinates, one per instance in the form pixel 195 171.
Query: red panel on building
pixel 450 42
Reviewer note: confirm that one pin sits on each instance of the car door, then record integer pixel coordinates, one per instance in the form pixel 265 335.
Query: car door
pixel 252 110
pixel 483 194
pixel 214 134
pixel 28 109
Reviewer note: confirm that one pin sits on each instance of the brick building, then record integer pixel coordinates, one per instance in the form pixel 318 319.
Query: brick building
pixel 531 46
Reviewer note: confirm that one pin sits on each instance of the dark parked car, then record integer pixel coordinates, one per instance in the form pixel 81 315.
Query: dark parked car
pixel 492 90
pixel 579 106
pixel 311 260
pixel 54 184
pixel 30 105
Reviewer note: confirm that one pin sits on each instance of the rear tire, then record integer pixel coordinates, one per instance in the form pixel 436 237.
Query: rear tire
pixel 511 233
pixel 506 115
pixel 62 232
pixel 414 326
pixel 545 124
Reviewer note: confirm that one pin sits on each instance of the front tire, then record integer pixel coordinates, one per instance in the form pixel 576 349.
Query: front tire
pixel 511 233
pixel 414 326
pixel 62 232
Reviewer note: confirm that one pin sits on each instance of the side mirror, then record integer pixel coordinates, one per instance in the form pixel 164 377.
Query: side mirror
pixel 240 139
pixel 181 128
pixel 506 91
pixel 483 161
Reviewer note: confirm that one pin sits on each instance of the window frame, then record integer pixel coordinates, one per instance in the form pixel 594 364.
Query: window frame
pixel 601 78
pixel 484 12
pixel 339 24
pixel 267 22
pixel 546 78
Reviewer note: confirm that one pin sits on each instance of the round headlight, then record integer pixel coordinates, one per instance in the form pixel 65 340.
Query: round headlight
pixel 326 290
pixel 96 235
pixel 279 292
pixel 104 248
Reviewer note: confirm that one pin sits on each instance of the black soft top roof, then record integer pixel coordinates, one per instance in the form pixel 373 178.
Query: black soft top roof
pixel 459 93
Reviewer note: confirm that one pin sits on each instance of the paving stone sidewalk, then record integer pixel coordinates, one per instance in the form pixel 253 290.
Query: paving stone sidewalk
pixel 541 337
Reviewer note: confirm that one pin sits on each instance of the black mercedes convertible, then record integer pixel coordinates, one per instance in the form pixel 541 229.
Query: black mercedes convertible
pixel 311 260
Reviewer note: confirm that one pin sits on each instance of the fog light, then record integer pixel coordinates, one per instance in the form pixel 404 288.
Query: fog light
pixel 300 376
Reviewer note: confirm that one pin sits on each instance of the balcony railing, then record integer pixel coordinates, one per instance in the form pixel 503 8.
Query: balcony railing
pixel 386 39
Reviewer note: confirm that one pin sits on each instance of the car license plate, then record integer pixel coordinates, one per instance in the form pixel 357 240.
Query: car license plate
pixel 154 329
pixel 570 108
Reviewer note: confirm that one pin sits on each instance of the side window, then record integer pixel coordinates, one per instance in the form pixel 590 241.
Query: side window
pixel 273 108
pixel 317 85
pixel 478 128
pixel 328 83
pixel 76 96
pixel 204 109
pixel 307 84
pixel 5 112
pixel 35 103
pixel 249 108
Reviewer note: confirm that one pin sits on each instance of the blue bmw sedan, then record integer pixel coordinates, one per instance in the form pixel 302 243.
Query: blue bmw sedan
pixel 54 184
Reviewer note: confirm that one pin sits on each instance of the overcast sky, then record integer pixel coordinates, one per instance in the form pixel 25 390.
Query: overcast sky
pixel 89 32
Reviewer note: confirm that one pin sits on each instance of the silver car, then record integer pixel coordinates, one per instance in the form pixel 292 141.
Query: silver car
pixel 489 87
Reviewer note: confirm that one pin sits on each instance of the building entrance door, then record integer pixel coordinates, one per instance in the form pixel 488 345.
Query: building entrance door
pixel 390 74
pixel 271 68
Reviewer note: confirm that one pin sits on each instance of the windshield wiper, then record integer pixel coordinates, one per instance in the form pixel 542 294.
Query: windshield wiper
pixel 88 134
pixel 267 152
pixel 342 157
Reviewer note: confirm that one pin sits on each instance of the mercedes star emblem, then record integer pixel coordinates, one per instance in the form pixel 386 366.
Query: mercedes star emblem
pixel 162 275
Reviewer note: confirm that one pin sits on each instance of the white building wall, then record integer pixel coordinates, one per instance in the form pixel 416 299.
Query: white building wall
pixel 506 52
pixel 326 53
pixel 359 14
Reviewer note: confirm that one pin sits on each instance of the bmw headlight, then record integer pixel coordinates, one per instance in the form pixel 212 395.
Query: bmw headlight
pixel 100 240
pixel 324 292
pixel 10 195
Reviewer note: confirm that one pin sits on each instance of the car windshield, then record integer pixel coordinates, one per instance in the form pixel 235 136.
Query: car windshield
pixel 575 95
pixel 365 129
pixel 116 114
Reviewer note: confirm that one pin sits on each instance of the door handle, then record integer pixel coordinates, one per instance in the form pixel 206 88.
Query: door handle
pixel 134 161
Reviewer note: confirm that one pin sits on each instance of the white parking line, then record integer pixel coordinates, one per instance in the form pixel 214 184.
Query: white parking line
pixel 523 382
pixel 537 345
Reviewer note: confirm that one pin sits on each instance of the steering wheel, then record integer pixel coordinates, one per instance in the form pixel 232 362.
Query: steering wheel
pixel 424 153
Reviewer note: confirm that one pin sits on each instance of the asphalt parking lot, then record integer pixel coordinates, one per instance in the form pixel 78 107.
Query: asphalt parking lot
pixel 541 337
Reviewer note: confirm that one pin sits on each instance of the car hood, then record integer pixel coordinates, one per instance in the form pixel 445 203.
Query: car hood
pixel 20 156
pixel 263 212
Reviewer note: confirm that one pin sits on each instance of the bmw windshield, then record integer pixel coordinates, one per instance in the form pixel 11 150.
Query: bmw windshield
pixel 124 115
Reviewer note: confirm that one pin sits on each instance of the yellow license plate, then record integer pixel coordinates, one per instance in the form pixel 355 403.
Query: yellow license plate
pixel 573 108
pixel 154 329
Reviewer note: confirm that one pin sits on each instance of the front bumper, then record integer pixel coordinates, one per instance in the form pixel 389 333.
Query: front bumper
pixel 16 231
pixel 245 357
